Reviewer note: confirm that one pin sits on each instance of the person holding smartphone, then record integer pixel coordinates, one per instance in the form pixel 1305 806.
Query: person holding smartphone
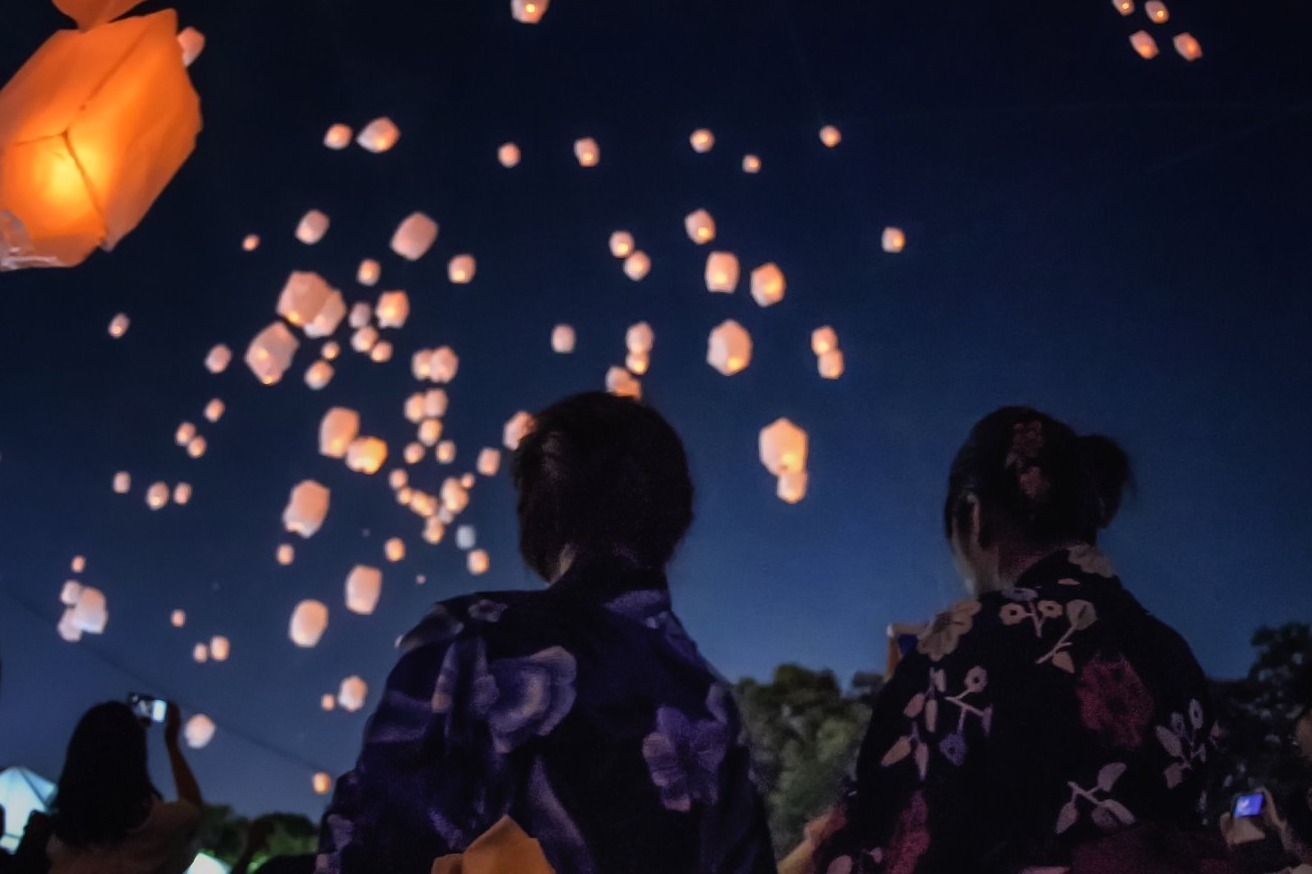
pixel 106 816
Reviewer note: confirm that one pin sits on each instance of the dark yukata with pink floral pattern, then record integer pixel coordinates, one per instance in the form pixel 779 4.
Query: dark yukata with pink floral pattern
pixel 584 712
pixel 1025 723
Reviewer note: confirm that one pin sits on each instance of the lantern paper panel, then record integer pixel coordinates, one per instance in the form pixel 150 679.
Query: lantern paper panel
pixel 122 482
pixel 184 434
pixel 830 136
pixel 369 272
pixel 366 455
pixel 783 447
pixel 381 353
pixel 90 614
pixel 250 242
pixel 478 562
pixel 322 783
pixel 729 349
pixel 157 495
pixel 563 339
pixel 214 410
pixel 1125 7
pixel 306 508
pixel 270 353
pixel 621 244
pixel 178 618
pixel 219 648
pixel 791 487
pixel 455 497
pixel 182 494
pixel 434 530
pixel 1157 11
pixel 310 303
pixel 379 135
pixel 363 339
pixel 621 383
pixel 639 338
pixel 393 309
pixel 444 365
pixel 338 428
pixel 330 351
pixel 285 554
pixel 1188 47
pixel 199 731
pixel 461 269
pixel 446 452
pixel 768 284
pixel 637 363
pixel 398 479
pixel 196 447
pixel 528 11
pixel 363 586
pixel 200 653
pixel 830 364
pixel 413 453
pixel 699 226
pixel 587 152
pixel 79 564
pixel 466 537
pixel 394 549
pixel 360 314
pixel 429 431
pixel 338 136
pixel 435 402
pixel 1143 43
pixel 414 236
pixel 70 593
pixel 309 621
pixel 722 272
pixel 328 701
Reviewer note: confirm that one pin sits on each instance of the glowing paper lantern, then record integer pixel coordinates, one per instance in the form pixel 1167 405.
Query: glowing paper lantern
pixel 185 432
pixel 528 11
pixel 338 428
pixel 364 338
pixel 620 382
pixel 791 487
pixel 285 554
pixel 306 508
pixel 338 136
pixel 182 494
pixel 1188 47
pixel 768 284
pixel 637 363
pixel 361 313
pixel 200 653
pixel 414 453
pixel 368 272
pixel 1157 11
pixel 699 226
pixel 198 731
pixel 330 351
pixel 639 338
pixel 893 240
pixel 250 242
pixel 1144 44
pixel 318 375
pixel 434 530
pixel 435 402
pixel 466 537
pixel 70 593
pixel 446 452
pixel 378 135
pixel 722 272
pixel 729 349
pixel 381 353
pixel 587 151
pixel 366 455
pixel 178 618
pixel 219 648
pixel 89 13
pixel 218 359
pixel 443 365
pixel 783 448
pixel 621 244
pixel 461 269
pixel 393 309
pixel 413 408
pixel 309 621
pixel 322 783
pixel 310 303
pixel 515 429
pixel 90 614
pixel 637 266
pixel 394 549
pixel 508 155
pixel 478 562
pixel 430 431
pixel 328 702
pixel 363 586
pixel 414 236
pixel 702 141
pixel 562 339
pixel 196 448
pixel 192 43
pixel 751 164
pixel 489 461
pixel 830 136
pixel 270 353
pixel 823 340
pixel 454 496
pixel 66 630
pixel 122 482
pixel 312 228
pixel 467 481
pixel 157 496
pixel 118 326
pixel 1125 7
pixel 352 693
pixel 214 410
pixel 79 564
pixel 831 364
pixel 92 128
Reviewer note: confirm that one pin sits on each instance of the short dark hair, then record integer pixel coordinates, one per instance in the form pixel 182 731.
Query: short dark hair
pixel 1053 484
pixel 600 472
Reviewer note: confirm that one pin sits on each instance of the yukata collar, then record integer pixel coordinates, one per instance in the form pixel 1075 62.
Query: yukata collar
pixel 619 585
pixel 1064 562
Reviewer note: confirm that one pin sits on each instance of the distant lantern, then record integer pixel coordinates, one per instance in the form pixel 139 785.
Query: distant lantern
pixel 306 508
pixel 185 431
pixel 79 564
pixel 89 614
pixel 218 359
pixel 312 228
pixel 700 226
pixel 461 269
pixel 310 303
pixel 468 481
pixel 199 731
pixel 1144 44
pixel 528 11
pixel 118 326
pixel 67 630
pixel 830 136
pixel 200 653
pixel 783 448
pixel 621 383
pixel 435 402
pixel 405 495
pixel 381 353
pixel 477 562
pixel 192 43
pixel 722 272
pixel 421 364
pixel 70 593
pixel 434 530
pixel 122 483
pixel 352 693
pixel 639 338
pixel 637 266
pixel 178 618
pixel 446 452
pixel 322 783
pixel 414 236
pixel 489 461
pixel 309 621
pixel 394 549
pixel 182 494
pixel 337 429
pixel 318 374
pixel 360 314
pixel 893 240
pixel 363 586
pixel 830 364
pixel 393 309
pixel 330 351
pixel 413 409
pixel 508 155
pixel 430 431
pixel 466 537
pixel 768 284
pixel 637 363
pixel 378 135
pixel 729 349
pixel 338 136
pixel 219 648
pixel 444 365
pixel 702 141
pixel 328 701
pixel 587 152
pixel 751 164
pixel 364 339
pixel 823 340
pixel 621 244
pixel 398 478
pixel 515 430
pixel 368 272
pixel 1188 47
pixel 92 129
pixel 214 410
pixel 157 496
pixel 414 453
pixel 791 487
pixel 270 353
pixel 1157 11
pixel 366 455
pixel 1125 7
pixel 455 497
pixel 285 554
pixel 250 242
pixel 562 339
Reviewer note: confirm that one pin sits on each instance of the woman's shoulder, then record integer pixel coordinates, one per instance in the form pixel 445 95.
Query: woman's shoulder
pixel 475 615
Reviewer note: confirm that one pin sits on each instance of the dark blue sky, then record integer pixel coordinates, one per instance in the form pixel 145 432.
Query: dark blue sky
pixel 1122 243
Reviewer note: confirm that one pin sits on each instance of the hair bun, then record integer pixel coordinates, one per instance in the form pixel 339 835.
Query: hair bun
pixel 1109 469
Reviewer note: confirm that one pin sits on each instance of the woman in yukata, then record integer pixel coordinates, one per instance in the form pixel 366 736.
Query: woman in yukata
pixel 584 711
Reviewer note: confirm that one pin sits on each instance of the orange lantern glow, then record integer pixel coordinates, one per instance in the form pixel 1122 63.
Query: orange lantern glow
pixel 528 11
pixel 1157 11
pixel 893 240
pixel 699 226
pixel 1188 47
pixel 1144 44
pixel 830 136
pixel 92 128
pixel 508 155
pixel 621 244
pixel 338 136
pixel 702 141
pixel 637 265
pixel 729 349
pixel 587 152
pixel 751 164
pixel 1125 7
pixel 722 272
pixel 768 284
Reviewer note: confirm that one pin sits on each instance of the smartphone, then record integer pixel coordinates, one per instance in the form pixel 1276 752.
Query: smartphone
pixel 1249 805
pixel 148 707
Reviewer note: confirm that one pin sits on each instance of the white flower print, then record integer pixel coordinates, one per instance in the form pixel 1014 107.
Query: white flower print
pixel 1184 743
pixel 1107 813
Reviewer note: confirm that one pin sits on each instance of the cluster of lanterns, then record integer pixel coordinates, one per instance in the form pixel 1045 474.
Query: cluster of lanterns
pixel 1145 44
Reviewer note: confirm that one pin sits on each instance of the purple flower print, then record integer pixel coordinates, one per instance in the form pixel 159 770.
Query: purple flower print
pixel 953 748
pixel 531 695
pixel 484 610
pixel 684 758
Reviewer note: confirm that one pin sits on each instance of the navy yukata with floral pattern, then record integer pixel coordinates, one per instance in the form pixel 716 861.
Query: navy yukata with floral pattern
pixel 1024 723
pixel 583 711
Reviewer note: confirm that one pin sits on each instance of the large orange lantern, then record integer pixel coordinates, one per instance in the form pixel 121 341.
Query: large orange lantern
pixel 92 128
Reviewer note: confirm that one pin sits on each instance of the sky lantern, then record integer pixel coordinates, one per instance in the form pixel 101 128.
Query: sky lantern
pixel 830 364
pixel 360 315
pixel 198 731
pixel 219 648
pixel 700 226
pixel 92 129
pixel 515 428
pixel 562 339
pixel 270 353
pixel 378 135
pixel 637 363
pixel 122 482
pixel 434 530
pixel 454 496
pixel 893 240
pixel 791 487
pixel 783 447
pixel 1125 7
pixel 218 358
pixel 830 136
pixel 443 365
pixel 310 303
pixel 196 446
pixel 330 351
pixel 702 141
pixel 414 236
pixel 508 155
pixel 337 429
pixel 363 586
pixel 79 564
pixel 364 339
pixel 621 244
pixel 352 693
pixel 466 537
pixel 729 349
pixel 413 453
pixel 368 272
pixel 182 436
pixel 285 554
pixel 312 227
pixel 118 326
pixel 157 496
pixel 1144 44
pixel 621 383
pixel 429 432
pixel 587 151
pixel 413 409
pixel 328 701
pixel 1157 11
pixel 1188 47
pixel 639 338
pixel 435 402
pixel 322 783
pixel 250 242
pixel 461 269
pixel 637 265
pixel 70 593
pixel 421 364
pixel 446 452
pixel 309 621
pixel 528 11
pixel 200 653
pixel 89 614
pixel 338 136
pixel 182 494
pixel 722 272
pixel 489 461
pixel 178 618
pixel 214 410
pixel 393 309
pixel 366 455
pixel 398 478
pixel 394 549
pixel 477 562
pixel 751 164
pixel 192 43
pixel 306 508
pixel 823 340
pixel 768 284
pixel 381 353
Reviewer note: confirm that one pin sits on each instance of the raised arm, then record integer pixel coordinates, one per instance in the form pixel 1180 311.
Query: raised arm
pixel 183 779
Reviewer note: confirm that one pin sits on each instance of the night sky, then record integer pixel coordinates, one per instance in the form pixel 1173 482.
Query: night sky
pixel 1125 244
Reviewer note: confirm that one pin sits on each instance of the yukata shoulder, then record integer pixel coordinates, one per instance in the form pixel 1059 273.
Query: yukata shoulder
pixel 466 616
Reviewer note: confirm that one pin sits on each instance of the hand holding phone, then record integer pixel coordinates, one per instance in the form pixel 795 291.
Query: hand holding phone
pixel 1249 805
pixel 148 708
